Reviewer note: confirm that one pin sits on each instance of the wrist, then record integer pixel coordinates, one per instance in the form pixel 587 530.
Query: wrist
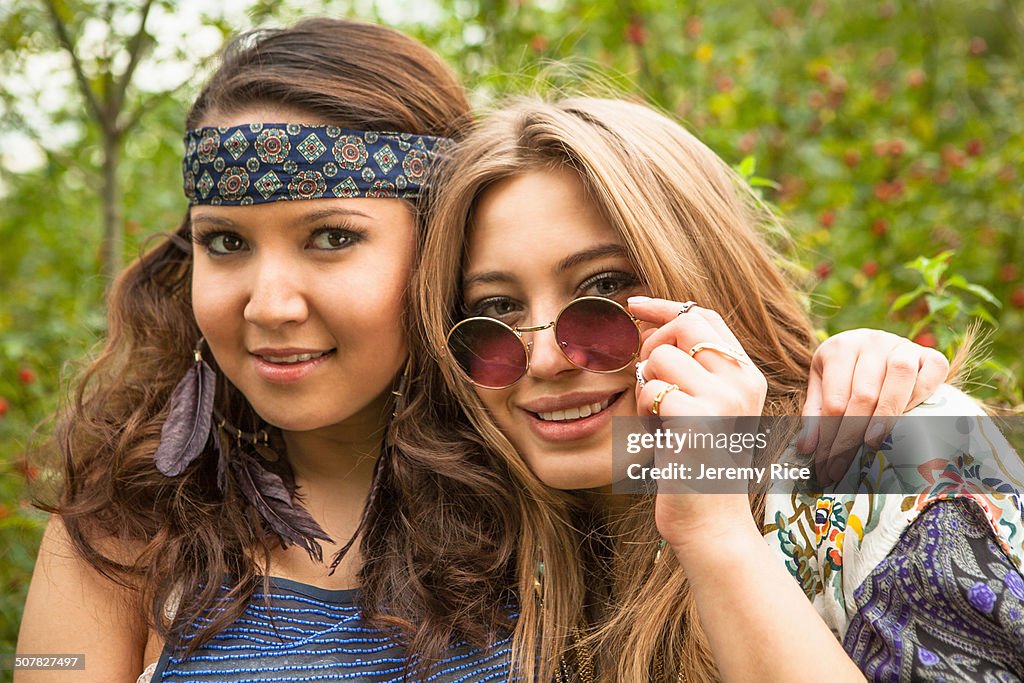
pixel 717 537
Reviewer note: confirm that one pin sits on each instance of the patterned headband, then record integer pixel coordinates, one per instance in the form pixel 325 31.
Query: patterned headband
pixel 267 162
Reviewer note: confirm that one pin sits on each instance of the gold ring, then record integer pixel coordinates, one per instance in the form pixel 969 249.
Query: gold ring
pixel 686 307
pixel 656 405
pixel 736 354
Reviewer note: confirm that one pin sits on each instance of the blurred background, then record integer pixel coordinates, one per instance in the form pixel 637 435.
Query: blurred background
pixel 889 134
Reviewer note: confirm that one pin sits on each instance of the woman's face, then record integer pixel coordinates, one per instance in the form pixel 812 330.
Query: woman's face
pixel 301 302
pixel 537 243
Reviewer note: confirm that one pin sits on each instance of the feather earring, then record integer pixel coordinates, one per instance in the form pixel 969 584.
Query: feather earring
pixel 266 481
pixel 189 420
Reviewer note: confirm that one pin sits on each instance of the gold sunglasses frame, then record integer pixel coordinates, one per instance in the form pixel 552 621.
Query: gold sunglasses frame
pixel 528 345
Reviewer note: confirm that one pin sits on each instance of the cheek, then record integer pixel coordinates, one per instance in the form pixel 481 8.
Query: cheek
pixel 215 304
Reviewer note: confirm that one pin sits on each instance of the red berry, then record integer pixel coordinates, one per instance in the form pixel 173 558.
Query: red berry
pixel 636 33
pixel 26 376
pixel 823 269
pixel 539 43
pixel 4 406
pixel 973 147
pixel 851 157
pixel 694 26
pixel 870 268
pixel 926 338
pixel 897 147
pixel 978 45
pixel 952 156
pixel 827 218
pixel 4 511
pixel 880 227
pixel 916 78
pixel 1017 297
pixel 1009 273
pixel 881 148
pixel 27 469
pixel 724 84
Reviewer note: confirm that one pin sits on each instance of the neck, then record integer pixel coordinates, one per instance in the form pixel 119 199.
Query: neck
pixel 333 466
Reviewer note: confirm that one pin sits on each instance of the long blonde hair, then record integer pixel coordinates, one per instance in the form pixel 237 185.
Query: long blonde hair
pixel 694 230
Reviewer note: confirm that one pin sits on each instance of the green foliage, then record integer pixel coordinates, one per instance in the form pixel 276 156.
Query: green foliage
pixel 888 135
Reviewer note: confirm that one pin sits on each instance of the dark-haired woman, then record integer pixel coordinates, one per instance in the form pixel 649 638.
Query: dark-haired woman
pixel 251 355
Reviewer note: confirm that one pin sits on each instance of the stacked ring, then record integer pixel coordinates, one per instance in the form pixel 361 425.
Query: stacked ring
pixel 656 405
pixel 640 379
pixel 735 354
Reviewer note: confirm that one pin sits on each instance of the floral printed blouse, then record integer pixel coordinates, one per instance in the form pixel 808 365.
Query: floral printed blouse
pixel 918 569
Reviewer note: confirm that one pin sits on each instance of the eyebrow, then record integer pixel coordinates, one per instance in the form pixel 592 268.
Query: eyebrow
pixel 310 217
pixel 571 261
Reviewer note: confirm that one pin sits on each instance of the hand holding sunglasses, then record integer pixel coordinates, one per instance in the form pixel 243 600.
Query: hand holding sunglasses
pixel 693 365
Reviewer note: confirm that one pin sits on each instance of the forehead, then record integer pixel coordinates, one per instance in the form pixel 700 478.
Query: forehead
pixel 535 217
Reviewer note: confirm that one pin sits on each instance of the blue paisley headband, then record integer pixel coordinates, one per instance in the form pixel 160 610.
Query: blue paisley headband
pixel 257 163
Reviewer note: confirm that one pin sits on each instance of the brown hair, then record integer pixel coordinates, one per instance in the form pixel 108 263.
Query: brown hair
pixel 693 230
pixel 177 539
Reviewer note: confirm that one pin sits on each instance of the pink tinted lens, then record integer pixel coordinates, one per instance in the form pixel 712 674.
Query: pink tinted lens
pixel 488 352
pixel 597 335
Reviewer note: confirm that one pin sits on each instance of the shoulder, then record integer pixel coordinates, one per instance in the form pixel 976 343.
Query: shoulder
pixel 72 608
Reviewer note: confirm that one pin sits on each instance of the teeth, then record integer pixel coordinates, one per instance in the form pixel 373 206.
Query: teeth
pixel 574 413
pixel 297 358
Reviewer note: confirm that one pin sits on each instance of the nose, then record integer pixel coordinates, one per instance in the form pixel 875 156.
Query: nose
pixel 546 359
pixel 277 295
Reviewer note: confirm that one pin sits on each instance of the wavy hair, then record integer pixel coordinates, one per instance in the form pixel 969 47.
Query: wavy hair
pixel 175 540
pixel 694 230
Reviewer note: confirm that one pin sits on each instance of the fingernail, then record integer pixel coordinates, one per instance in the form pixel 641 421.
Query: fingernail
pixel 637 299
pixel 801 438
pixel 874 435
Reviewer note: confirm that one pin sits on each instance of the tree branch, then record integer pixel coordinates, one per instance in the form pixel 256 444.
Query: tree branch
pixel 135 49
pixel 83 81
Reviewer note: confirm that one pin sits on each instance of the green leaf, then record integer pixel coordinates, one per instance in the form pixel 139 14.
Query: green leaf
pixel 904 300
pixel 747 167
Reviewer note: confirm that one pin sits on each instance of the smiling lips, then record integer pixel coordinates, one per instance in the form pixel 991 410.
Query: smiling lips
pixel 293 358
pixel 585 410
pixel 284 366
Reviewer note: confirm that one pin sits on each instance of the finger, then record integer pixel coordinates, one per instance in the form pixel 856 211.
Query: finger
pixel 836 364
pixel 901 375
pixel 718 324
pixel 807 440
pixel 842 434
pixel 673 403
pixel 934 371
pixel 674 366
pixel 657 311
pixel 868 377
pixel 686 331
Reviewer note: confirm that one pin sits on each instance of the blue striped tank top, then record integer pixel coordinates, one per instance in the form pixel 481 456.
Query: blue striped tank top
pixel 314 634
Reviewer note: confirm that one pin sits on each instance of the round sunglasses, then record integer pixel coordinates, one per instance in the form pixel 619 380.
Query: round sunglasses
pixel 593 333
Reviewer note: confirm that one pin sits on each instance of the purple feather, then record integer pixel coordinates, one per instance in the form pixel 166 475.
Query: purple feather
pixel 187 427
pixel 273 501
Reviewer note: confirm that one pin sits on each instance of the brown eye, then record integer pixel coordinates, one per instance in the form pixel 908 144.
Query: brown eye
pixel 333 239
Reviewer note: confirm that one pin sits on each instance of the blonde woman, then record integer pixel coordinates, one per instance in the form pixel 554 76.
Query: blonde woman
pixel 547 211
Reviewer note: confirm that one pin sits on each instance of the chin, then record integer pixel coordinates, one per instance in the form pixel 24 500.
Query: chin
pixel 583 472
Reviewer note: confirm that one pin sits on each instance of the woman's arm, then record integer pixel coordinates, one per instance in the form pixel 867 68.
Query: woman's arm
pixel 73 610
pixel 759 624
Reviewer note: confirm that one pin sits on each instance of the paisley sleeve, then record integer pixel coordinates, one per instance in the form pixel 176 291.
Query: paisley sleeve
pixel 946 604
